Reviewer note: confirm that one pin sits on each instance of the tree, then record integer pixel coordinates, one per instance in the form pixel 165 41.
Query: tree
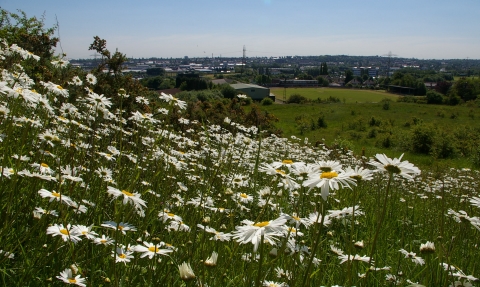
pixel 324 69
pixel 348 75
pixel 467 89
pixel 155 71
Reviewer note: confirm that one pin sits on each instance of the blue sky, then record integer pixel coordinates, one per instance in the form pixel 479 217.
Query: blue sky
pixel 424 29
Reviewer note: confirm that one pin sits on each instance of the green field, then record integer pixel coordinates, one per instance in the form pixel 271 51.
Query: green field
pixel 345 95
pixel 350 123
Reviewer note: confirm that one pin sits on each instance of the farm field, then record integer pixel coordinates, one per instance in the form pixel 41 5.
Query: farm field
pixel 345 95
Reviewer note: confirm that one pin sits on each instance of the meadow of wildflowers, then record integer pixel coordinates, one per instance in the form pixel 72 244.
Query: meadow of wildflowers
pixel 95 196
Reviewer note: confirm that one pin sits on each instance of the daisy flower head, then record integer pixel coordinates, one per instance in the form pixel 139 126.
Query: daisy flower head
pixel 218 236
pixel 86 231
pixel 327 179
pixel 327 165
pixel 273 284
pixel 252 232
pixel 122 255
pixel 150 249
pixel 104 240
pixel 172 100
pixel 68 277
pixel 359 173
pixel 99 100
pixel 55 196
pixel 395 166
pixel 91 79
pixel 76 81
pixel 67 233
pixel 133 198
pixel 122 226
pixel 413 256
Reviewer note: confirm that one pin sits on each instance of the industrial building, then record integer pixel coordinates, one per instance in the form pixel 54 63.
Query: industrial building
pixel 255 92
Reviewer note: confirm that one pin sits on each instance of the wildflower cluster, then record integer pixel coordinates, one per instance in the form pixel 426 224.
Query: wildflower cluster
pixel 97 195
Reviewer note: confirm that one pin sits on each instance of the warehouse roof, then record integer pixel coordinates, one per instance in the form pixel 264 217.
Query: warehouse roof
pixel 247 86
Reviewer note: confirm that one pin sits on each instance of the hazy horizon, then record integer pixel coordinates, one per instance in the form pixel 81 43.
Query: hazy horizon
pixel 268 28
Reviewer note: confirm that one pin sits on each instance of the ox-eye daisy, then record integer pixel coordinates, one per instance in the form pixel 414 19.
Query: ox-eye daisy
pixel 253 232
pixel 67 277
pixel 151 249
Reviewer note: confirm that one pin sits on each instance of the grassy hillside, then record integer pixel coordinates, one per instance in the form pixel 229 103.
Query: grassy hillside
pixel 370 126
pixel 345 95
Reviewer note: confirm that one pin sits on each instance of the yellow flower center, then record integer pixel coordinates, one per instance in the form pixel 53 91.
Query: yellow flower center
pixel 296 218
pixel 72 280
pixel 170 214
pixel 59 87
pixel 262 224
pixel 152 249
pixel 287 161
pixel 123 256
pixel 44 165
pixel 64 231
pixel 243 195
pixel 103 240
pixel 280 171
pixel 127 193
pixel 56 194
pixel 120 227
pixel 329 175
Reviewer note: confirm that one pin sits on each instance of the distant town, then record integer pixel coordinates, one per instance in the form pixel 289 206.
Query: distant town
pixel 289 66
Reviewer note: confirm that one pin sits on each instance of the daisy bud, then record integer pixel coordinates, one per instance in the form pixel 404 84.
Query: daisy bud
pixel 186 272
pixel 212 260
pixel 359 244
pixel 206 219
pixel 427 248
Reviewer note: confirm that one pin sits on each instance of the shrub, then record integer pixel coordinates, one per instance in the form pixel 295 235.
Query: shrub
pixel 423 137
pixel 267 102
pixel 444 146
pixel 372 133
pixel 434 98
pixel 386 104
pixel 296 99
pixel 321 123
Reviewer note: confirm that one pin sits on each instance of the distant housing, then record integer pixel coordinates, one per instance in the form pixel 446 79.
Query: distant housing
pixel 298 83
pixel 359 71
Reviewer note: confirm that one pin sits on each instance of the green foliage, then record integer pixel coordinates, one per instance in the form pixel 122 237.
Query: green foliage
pixel 444 146
pixel 348 76
pixel 386 104
pixel 434 98
pixel 205 95
pixel 189 82
pixel 321 122
pixel 228 91
pixel 155 71
pixel 466 88
pixel 266 102
pixel 296 99
pixel 423 138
